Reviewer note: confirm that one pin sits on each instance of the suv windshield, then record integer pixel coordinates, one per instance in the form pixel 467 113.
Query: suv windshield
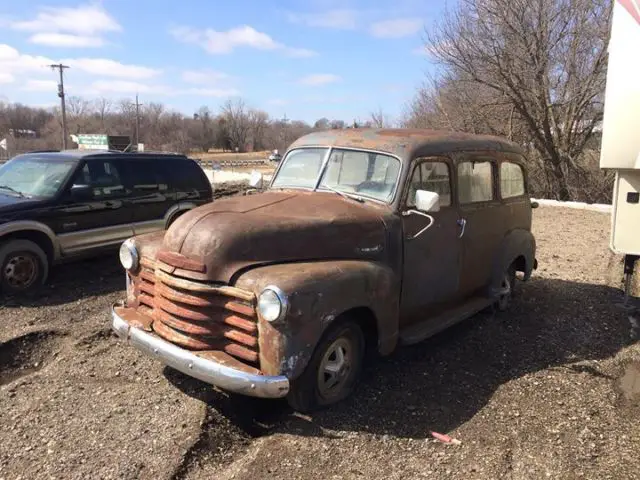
pixel 30 176
pixel 366 174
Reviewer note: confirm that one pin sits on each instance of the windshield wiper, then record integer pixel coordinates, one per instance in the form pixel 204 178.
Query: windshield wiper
pixel 11 189
pixel 357 198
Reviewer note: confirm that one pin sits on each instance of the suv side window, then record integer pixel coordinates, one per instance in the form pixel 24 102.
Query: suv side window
pixel 104 178
pixel 186 175
pixel 475 181
pixel 145 176
pixel 511 180
pixel 433 176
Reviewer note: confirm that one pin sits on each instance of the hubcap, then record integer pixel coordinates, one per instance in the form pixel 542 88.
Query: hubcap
pixel 20 271
pixel 335 368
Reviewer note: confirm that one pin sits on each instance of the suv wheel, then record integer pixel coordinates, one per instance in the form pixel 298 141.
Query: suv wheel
pixel 333 370
pixel 23 266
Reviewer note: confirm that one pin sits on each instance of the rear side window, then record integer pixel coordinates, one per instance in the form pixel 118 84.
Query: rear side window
pixel 511 180
pixel 147 176
pixel 186 175
pixel 433 177
pixel 104 177
pixel 475 181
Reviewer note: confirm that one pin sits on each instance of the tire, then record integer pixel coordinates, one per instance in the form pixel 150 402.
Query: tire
pixel 508 286
pixel 313 389
pixel 23 266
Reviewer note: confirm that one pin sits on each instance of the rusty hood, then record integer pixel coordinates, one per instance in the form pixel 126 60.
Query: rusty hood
pixel 231 234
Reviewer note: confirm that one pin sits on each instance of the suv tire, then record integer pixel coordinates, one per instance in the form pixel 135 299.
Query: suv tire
pixel 23 266
pixel 333 371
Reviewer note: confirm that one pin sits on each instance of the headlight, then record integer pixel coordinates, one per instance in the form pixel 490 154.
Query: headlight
pixel 129 255
pixel 272 304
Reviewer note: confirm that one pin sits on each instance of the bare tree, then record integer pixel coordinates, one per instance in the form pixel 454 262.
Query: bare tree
pixel 237 123
pixel 379 119
pixel 103 109
pixel 258 121
pixel 545 59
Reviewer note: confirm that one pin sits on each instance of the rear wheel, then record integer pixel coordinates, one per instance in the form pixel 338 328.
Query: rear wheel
pixel 333 371
pixel 506 289
pixel 23 266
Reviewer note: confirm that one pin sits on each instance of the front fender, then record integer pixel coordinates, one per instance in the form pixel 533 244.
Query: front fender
pixel 318 293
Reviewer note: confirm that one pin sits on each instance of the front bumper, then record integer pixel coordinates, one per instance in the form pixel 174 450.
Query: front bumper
pixel 209 371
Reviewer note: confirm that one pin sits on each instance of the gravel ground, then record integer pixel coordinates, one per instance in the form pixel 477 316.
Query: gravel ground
pixel 549 390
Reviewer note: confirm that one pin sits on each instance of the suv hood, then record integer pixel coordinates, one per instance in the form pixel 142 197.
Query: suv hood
pixel 277 226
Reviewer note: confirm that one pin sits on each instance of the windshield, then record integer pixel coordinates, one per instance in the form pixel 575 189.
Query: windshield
pixel 363 173
pixel 33 177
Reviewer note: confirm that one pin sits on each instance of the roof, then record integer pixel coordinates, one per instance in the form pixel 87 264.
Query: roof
pixel 404 141
pixel 77 154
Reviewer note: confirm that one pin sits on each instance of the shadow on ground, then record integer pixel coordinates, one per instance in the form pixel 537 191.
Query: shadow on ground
pixel 71 282
pixel 444 381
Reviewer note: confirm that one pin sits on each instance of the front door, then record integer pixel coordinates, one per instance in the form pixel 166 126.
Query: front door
pixel 103 219
pixel 432 256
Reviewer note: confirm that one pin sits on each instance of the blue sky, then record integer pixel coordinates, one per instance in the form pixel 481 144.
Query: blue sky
pixel 319 58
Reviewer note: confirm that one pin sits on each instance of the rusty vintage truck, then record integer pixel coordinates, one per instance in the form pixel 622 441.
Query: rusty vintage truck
pixel 363 240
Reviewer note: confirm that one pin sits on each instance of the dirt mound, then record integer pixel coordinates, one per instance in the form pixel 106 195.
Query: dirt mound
pixel 27 354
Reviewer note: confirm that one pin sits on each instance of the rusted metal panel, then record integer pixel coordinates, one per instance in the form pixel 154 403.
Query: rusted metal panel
pixel 318 293
pixel 180 261
pixel 278 227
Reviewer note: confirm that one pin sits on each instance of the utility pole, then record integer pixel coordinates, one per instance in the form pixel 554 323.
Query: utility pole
pixel 60 67
pixel 137 104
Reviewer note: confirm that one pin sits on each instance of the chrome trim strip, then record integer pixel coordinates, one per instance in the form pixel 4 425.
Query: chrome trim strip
pixel 225 377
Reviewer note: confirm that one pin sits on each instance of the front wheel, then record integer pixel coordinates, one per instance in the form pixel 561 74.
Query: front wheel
pixel 333 371
pixel 23 266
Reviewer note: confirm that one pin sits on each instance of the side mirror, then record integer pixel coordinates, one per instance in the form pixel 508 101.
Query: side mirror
pixel 81 192
pixel 427 201
pixel 256 180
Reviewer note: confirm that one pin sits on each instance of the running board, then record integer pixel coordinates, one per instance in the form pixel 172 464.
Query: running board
pixel 427 328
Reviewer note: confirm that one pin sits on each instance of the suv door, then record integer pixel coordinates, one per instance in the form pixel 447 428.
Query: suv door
pixel 482 218
pixel 101 219
pixel 432 259
pixel 151 195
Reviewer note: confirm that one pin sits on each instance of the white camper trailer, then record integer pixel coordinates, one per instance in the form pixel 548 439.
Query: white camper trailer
pixel 621 134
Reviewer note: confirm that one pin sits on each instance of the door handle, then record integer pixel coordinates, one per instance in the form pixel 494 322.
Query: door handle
pixel 462 223
pixel 110 204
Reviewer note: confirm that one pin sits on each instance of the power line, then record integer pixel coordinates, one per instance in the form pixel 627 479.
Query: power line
pixel 60 67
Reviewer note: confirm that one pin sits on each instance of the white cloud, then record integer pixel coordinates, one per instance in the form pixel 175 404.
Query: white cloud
pixel 111 68
pixel 318 79
pixel 77 27
pixel 210 92
pixel 6 78
pixel 341 19
pixel 40 86
pixel 125 87
pixel 203 76
pixel 225 42
pixel 397 28
pixel 82 20
pixel 13 62
pixel 66 40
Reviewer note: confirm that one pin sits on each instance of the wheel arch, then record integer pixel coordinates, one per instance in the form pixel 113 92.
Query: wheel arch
pixel 36 232
pixel 321 293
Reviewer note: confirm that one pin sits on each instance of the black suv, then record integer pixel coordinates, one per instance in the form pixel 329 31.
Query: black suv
pixel 61 205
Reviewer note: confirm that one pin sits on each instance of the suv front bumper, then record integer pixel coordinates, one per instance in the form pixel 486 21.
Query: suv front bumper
pixel 185 361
